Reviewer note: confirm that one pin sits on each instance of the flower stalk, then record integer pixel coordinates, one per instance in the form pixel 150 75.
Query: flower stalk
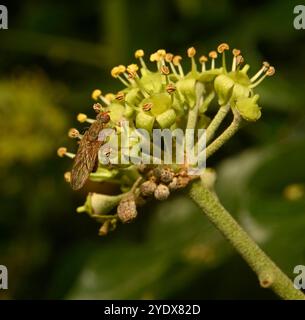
pixel 269 274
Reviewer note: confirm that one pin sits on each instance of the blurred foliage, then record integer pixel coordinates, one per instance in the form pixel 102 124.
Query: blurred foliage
pixel 52 56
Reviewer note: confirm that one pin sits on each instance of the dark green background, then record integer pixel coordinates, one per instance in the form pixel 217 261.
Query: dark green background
pixel 51 58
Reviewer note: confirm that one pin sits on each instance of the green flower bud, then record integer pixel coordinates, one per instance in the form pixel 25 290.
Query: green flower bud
pixel 223 85
pixel 166 119
pixel 100 204
pixel 248 108
pixel 145 121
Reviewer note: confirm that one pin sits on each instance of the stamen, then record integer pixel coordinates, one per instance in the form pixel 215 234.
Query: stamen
pixel 191 53
pixel 222 48
pixel 203 59
pixel 81 117
pixel 74 133
pixel 115 72
pixel 176 62
pixel 213 55
pixel 155 57
pixel 236 53
pixel 96 94
pixel 139 54
pixel 97 107
pixel 62 151
pixel 132 71
pixel 263 69
pixel 270 72
pixel 169 58
pixel 239 61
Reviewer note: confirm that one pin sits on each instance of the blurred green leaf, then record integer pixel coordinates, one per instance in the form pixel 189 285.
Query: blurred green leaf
pixel 180 243
pixel 251 185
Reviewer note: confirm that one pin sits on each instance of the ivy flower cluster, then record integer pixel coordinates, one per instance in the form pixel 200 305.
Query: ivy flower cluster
pixel 169 96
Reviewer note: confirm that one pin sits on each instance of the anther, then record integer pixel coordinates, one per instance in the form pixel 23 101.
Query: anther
pixel 147 106
pixel 164 70
pixel 82 117
pixel 121 68
pixel 62 151
pixel 73 133
pixel 67 176
pixel 120 96
pixel 222 47
pixel 97 107
pixel 213 55
pixel 271 71
pixel 169 57
pixel 170 88
pixel 191 52
pixel 115 72
pixel 161 53
pixel 96 94
pixel 236 52
pixel 139 53
pixel 176 62
pixel 203 59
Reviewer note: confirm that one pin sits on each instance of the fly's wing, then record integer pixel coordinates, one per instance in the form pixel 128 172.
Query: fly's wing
pixel 84 161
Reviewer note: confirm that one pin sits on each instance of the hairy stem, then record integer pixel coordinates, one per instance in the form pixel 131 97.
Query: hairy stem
pixel 269 275
pixel 224 137
pixel 193 113
pixel 215 123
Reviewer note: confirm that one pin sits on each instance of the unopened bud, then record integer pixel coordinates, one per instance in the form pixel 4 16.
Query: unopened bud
pixel 166 176
pixel 162 192
pixel 127 209
pixel 148 188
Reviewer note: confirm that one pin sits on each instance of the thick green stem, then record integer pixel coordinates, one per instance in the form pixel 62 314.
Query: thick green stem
pixel 215 123
pixel 269 275
pixel 224 137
